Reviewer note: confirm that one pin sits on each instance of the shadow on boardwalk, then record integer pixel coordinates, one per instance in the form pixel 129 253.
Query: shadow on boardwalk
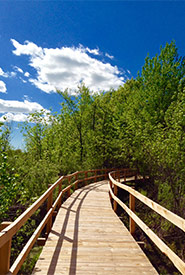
pixel 62 236
pixel 88 238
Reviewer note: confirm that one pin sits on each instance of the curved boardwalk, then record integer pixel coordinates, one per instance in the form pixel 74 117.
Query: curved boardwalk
pixel 88 238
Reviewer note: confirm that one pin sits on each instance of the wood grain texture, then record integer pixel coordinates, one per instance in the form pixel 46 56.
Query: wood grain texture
pixel 88 238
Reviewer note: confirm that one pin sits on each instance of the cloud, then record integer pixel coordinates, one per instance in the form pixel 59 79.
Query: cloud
pixel 19 111
pixel 26 74
pixel 109 56
pixel 19 106
pixel 24 81
pixel 93 51
pixel 12 74
pixel 2 87
pixel 14 117
pixel 28 48
pixel 18 69
pixel 7 74
pixel 67 67
pixel 2 73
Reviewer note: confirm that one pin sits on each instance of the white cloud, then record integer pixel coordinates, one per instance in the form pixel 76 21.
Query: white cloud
pixel 2 87
pixel 26 74
pixel 93 51
pixel 24 81
pixel 28 48
pixel 7 74
pixel 18 69
pixel 15 110
pixel 12 74
pixel 26 97
pixel 128 72
pixel 109 56
pixel 14 117
pixel 2 73
pixel 68 67
pixel 15 106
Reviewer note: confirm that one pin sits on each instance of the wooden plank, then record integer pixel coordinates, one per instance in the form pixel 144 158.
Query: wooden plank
pixel 88 238
pixel 5 252
pixel 167 214
pixel 132 207
pixel 49 205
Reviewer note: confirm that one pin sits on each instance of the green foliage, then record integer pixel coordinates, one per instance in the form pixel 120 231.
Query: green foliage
pixel 29 264
pixel 9 187
pixel 152 123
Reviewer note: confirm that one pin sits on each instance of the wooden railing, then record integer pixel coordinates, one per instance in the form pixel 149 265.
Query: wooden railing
pixel 8 229
pixel 114 184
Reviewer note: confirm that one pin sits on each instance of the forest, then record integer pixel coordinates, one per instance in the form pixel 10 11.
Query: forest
pixel 140 125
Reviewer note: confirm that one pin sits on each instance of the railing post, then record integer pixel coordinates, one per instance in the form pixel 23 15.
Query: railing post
pixel 115 206
pixel 132 207
pixel 49 205
pixel 76 184
pixel 110 183
pixel 69 192
pixel 76 180
pixel 59 190
pixel 5 252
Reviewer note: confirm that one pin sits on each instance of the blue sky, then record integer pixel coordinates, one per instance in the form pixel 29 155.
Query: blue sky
pixel 46 45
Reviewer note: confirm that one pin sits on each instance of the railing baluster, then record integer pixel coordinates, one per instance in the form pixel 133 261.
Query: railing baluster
pixel 59 190
pixel 110 183
pixel 69 192
pixel 5 252
pixel 132 207
pixel 49 205
pixel 76 181
pixel 115 202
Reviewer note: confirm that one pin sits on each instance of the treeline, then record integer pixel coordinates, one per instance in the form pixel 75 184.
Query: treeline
pixel 141 124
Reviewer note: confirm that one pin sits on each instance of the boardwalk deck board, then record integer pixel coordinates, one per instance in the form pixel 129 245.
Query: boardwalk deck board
pixel 88 238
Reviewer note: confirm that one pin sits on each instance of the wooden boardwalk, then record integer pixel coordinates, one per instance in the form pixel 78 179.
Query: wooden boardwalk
pixel 88 238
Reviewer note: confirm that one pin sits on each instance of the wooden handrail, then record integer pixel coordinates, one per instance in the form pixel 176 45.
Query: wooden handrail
pixel 167 214
pixel 7 233
pixel 12 229
pixel 176 220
